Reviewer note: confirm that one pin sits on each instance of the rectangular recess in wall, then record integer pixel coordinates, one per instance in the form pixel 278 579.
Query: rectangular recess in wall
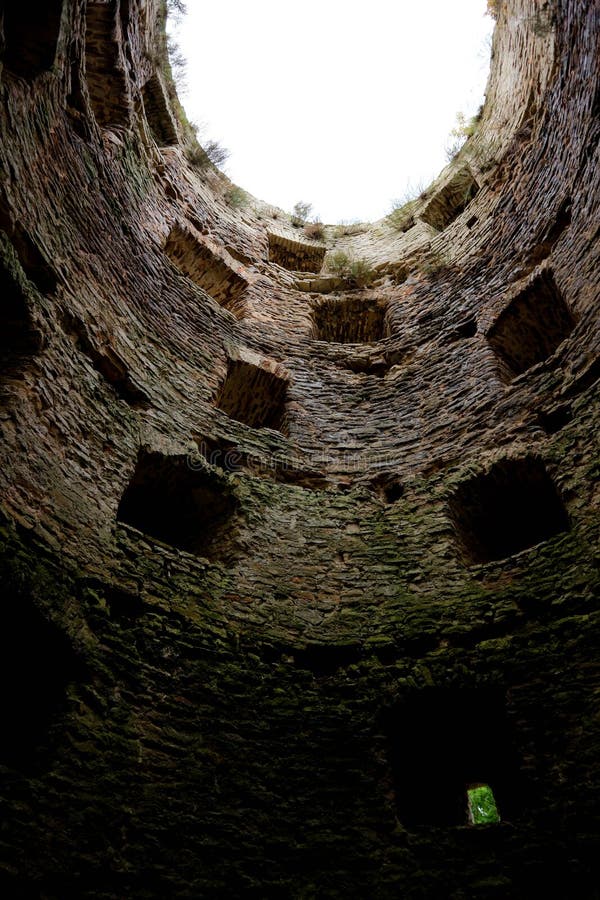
pixel 253 395
pixel 31 31
pixel 104 67
pixel 37 663
pixel 31 259
pixel 513 506
pixel 106 361
pixel 443 742
pixel 158 114
pixel 199 263
pixel 349 320
pixel 178 505
pixel 18 338
pixel 450 200
pixel 533 325
pixel 295 255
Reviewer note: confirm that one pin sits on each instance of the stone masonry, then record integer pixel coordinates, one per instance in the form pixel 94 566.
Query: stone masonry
pixel 289 558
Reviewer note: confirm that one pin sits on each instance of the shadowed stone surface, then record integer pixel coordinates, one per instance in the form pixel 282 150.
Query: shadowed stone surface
pixel 213 275
pixel 349 320
pixel 293 254
pixel 30 32
pixel 532 326
pixel 159 116
pixel 448 203
pixel 253 395
pixel 189 509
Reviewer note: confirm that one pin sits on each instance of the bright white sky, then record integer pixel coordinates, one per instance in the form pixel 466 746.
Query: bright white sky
pixel 340 103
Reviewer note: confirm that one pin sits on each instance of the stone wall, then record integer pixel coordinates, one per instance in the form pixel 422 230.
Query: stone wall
pixel 263 572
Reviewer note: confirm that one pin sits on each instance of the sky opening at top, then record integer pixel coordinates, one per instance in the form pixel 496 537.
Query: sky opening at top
pixel 345 105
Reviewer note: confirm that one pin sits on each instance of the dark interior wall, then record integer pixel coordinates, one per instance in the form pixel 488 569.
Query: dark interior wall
pixel 259 680
pixel 31 32
pixel 185 760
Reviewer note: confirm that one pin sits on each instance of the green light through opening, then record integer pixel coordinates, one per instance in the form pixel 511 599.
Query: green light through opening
pixel 482 805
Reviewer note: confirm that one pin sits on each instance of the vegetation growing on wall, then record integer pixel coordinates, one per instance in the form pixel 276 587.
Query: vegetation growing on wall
pixel 464 129
pixel 300 219
pixel 236 197
pixel 401 217
pixel 314 230
pixel 345 229
pixel 300 213
pixel 200 153
pixel 356 272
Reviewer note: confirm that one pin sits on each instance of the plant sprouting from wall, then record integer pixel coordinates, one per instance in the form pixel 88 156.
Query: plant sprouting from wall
pixel 402 215
pixel 464 129
pixel 235 197
pixel 216 153
pixel 203 153
pixel 176 9
pixel 345 228
pixel 299 219
pixel 401 218
pixel 300 213
pixel 178 64
pixel 354 271
pixel 314 230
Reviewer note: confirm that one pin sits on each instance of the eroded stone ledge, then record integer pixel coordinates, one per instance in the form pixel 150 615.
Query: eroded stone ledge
pixel 200 260
pixel 295 255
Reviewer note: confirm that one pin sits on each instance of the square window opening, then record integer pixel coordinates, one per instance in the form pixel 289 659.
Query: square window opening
pixel 512 507
pixel 532 326
pixel 444 742
pixel 254 396
pixel 350 320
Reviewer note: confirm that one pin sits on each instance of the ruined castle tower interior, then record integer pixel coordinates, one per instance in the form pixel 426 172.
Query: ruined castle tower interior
pixel 298 560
